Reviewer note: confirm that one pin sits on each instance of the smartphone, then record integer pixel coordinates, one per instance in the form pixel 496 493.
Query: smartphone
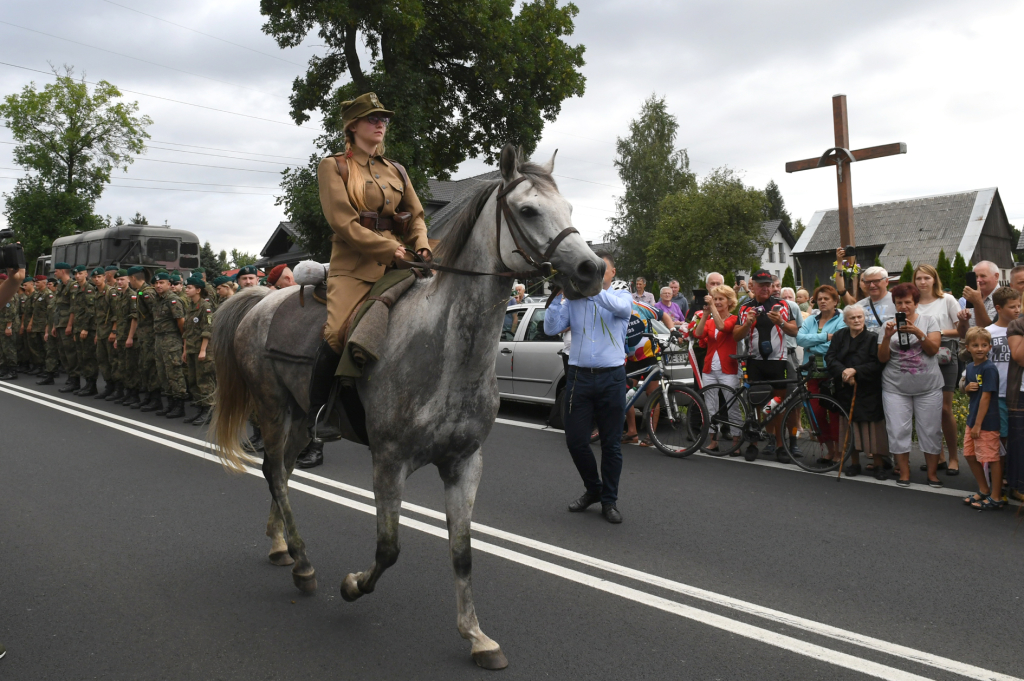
pixel 698 296
pixel 739 278
pixel 971 279
pixel 901 321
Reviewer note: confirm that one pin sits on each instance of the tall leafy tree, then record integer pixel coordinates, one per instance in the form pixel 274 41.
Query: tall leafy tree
pixel 959 278
pixel 210 261
pixel 944 269
pixel 464 76
pixel 776 207
pixel 713 225
pixel 69 139
pixel 241 258
pixel 651 168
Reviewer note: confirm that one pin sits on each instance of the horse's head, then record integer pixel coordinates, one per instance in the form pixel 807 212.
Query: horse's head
pixel 542 214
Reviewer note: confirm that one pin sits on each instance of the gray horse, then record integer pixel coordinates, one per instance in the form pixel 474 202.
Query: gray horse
pixel 430 399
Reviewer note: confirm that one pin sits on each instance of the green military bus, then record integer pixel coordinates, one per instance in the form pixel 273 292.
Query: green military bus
pixel 152 246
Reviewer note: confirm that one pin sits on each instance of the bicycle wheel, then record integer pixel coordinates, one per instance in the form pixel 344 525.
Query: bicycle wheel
pixel 682 425
pixel 722 427
pixel 813 425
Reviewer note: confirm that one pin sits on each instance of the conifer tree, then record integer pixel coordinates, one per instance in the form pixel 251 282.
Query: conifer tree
pixel 787 278
pixel 907 275
pixel 944 269
pixel 959 277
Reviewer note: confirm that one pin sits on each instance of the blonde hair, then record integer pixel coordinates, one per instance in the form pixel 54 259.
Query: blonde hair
pixel 934 274
pixel 356 186
pixel 726 292
pixel 976 332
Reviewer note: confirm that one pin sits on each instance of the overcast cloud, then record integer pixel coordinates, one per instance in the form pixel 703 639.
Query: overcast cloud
pixel 750 83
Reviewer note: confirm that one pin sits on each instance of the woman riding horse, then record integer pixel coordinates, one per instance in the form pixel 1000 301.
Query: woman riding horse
pixel 374 212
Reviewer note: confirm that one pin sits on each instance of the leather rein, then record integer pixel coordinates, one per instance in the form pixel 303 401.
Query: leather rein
pixel 542 268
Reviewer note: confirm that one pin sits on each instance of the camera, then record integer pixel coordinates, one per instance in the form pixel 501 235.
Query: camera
pixel 12 256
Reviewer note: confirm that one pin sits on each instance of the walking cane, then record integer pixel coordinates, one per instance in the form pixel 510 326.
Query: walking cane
pixel 849 429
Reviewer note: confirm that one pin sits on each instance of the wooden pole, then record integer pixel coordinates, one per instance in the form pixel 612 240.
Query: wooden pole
pixel 844 180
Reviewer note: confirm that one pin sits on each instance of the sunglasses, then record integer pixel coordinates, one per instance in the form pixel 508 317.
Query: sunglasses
pixel 374 119
pixel 872 282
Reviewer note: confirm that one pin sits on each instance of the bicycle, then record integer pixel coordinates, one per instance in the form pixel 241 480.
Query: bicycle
pixel 810 445
pixel 676 409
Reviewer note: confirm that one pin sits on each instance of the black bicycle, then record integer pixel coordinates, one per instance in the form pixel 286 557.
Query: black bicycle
pixel 812 421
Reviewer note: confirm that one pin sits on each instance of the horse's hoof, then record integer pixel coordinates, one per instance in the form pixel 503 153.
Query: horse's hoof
pixel 281 558
pixel 350 588
pixel 305 583
pixel 490 659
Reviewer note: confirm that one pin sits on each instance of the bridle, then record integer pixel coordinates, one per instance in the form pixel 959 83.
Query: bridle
pixel 542 268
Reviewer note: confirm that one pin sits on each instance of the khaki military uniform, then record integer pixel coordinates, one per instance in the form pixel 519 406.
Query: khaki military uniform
pixel 83 306
pixel 35 326
pixel 201 374
pixel 168 345
pixel 359 256
pixel 21 338
pixel 51 340
pixel 103 324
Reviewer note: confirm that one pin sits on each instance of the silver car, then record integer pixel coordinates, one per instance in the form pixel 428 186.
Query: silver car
pixel 529 365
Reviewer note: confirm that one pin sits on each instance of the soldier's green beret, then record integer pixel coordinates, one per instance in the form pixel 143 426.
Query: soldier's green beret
pixel 80 268
pixel 62 266
pixel 195 281
pixel 248 269
pixel 221 280
pixel 121 273
pixel 361 106
pixel 199 270
pixel 162 276
pixel 138 269
pixel 98 272
pixel 110 268
pixel 175 279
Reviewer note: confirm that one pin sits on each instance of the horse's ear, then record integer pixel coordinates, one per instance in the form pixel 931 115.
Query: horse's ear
pixel 508 163
pixel 549 167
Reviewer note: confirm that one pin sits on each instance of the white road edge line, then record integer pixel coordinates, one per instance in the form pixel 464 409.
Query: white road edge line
pixel 879 645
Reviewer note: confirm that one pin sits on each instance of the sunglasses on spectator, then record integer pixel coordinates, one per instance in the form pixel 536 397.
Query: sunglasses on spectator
pixel 374 119
pixel 872 282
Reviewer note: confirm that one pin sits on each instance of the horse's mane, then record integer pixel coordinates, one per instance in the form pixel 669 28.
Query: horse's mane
pixel 458 234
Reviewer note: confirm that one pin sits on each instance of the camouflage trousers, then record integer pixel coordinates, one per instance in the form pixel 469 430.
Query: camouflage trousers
pixel 68 353
pixel 52 354
pixel 8 350
pixel 86 354
pixel 148 373
pixel 168 366
pixel 127 362
pixel 104 357
pixel 37 351
pixel 21 345
pixel 202 379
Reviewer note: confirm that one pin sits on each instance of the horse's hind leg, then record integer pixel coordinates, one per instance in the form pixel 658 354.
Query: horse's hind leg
pixel 275 530
pixel 460 485
pixel 388 485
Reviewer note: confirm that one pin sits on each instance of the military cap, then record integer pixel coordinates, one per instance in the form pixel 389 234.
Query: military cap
pixel 162 276
pixel 62 266
pixel 248 269
pixel 275 274
pixel 175 278
pixel 138 269
pixel 51 279
pixel 121 273
pixel 110 268
pixel 221 280
pixel 162 269
pixel 195 281
pixel 199 270
pixel 361 106
pixel 81 268
pixel 98 272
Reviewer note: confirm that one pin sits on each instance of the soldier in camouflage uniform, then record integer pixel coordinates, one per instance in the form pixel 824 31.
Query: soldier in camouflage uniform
pixel 24 314
pixel 49 339
pixel 9 321
pixel 146 300
pixel 126 347
pixel 168 324
pixel 103 326
pixel 225 289
pixel 35 325
pixel 83 306
pixel 66 344
pixel 202 378
pixel 208 292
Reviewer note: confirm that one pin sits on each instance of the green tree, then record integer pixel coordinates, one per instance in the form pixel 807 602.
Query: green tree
pixel 465 78
pixel 139 219
pixel 730 279
pixel 788 279
pixel 798 229
pixel 877 262
pixel 776 209
pixel 241 258
pixel 213 263
pixel 907 275
pixel 651 168
pixel 959 278
pixel 711 226
pixel 817 283
pixel 944 269
pixel 69 140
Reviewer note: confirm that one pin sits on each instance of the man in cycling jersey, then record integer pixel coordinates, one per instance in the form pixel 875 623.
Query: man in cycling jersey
pixel 766 322
pixel 641 353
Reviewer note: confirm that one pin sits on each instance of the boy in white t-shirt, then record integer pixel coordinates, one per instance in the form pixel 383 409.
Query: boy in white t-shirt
pixel 1007 304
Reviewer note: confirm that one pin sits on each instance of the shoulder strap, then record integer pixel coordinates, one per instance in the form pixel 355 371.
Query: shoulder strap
pixel 401 169
pixel 342 169
pixel 875 312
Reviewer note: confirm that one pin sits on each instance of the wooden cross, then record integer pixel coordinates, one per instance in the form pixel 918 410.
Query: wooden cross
pixel 840 156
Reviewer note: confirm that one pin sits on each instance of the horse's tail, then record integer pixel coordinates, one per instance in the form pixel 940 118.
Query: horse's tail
pixel 233 402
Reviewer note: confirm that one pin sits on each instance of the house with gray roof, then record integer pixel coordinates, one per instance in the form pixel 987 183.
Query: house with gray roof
pixel 778 250
pixel 448 198
pixel 282 247
pixel 972 223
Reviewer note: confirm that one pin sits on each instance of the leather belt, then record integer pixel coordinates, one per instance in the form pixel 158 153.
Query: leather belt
pixel 594 370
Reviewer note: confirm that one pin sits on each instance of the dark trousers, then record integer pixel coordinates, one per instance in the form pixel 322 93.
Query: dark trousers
pixel 596 398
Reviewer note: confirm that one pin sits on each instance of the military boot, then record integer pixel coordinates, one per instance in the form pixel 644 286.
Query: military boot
pixel 204 416
pixel 156 401
pixel 109 388
pixel 139 400
pixel 321 381
pixel 177 409
pixel 120 395
pixel 68 381
pixel 164 406
pixel 8 374
pixel 311 456
pixel 192 419
pixel 131 397
pixel 47 379
pixel 90 388
pixel 73 384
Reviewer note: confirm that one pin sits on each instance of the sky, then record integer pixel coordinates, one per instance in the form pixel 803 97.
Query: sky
pixel 749 82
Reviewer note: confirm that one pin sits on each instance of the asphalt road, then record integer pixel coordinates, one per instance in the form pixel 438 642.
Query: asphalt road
pixel 127 555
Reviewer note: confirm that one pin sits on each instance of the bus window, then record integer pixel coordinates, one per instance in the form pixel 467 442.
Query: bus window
pixel 94 252
pixel 162 250
pixel 60 254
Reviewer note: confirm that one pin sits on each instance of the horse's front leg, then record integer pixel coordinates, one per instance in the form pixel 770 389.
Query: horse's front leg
pixel 275 530
pixel 460 485
pixel 388 486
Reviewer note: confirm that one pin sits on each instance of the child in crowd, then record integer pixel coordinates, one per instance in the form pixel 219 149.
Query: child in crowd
pixel 981 438
pixel 1007 303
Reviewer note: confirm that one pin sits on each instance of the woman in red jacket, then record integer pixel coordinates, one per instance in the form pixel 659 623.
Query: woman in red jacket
pixel 715 328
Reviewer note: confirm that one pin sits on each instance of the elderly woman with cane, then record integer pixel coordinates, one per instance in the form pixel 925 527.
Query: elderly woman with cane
pixel 852 361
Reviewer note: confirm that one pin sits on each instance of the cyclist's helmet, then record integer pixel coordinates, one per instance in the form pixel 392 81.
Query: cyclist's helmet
pixel 619 285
